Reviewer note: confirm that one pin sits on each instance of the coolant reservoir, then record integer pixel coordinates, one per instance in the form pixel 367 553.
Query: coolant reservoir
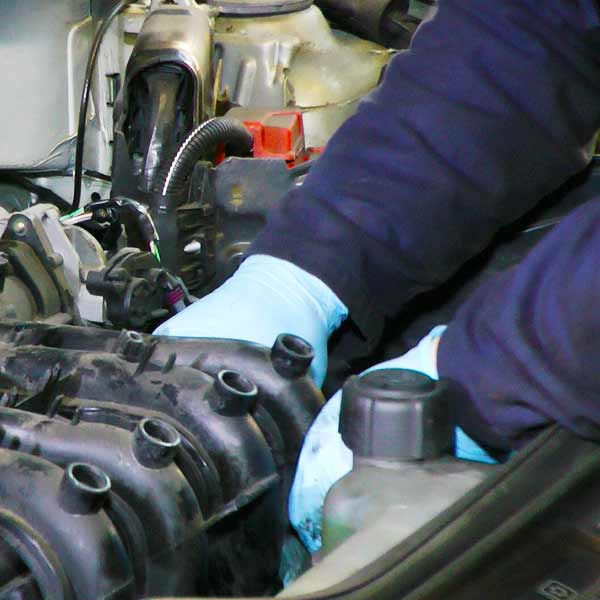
pixel 285 55
pixel 397 424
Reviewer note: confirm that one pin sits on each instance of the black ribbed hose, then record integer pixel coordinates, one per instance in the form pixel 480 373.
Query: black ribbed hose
pixel 198 145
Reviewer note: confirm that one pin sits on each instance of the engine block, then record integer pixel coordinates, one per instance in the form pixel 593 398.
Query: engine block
pixel 133 466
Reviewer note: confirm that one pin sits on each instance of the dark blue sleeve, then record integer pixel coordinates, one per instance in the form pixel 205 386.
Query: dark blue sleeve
pixel 525 347
pixel 494 106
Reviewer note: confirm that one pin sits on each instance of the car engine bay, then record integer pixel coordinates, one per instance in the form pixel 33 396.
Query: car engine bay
pixel 254 89
pixel 144 145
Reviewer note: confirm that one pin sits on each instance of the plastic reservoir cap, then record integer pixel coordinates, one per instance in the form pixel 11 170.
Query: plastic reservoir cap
pixel 396 415
pixel 259 7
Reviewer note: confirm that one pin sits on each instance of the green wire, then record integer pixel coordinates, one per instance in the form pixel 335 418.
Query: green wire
pixel 75 213
pixel 155 251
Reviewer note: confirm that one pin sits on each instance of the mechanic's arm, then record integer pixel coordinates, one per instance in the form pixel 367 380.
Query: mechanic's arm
pixel 525 347
pixel 523 352
pixel 495 105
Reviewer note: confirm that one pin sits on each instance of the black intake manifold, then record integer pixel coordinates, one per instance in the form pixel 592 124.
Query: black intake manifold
pixel 135 466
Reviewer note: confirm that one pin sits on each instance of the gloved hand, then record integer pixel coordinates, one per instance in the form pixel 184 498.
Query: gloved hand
pixel 325 459
pixel 265 298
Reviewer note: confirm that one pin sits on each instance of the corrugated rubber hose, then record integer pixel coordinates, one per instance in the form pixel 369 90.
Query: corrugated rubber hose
pixel 198 145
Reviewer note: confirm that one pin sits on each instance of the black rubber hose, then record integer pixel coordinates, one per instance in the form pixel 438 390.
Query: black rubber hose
pixel 85 98
pixel 388 22
pixel 198 145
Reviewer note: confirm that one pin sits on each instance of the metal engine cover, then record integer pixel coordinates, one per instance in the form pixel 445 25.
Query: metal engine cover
pixel 44 46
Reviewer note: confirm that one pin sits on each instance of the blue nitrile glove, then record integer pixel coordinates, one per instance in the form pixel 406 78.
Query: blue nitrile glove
pixel 265 297
pixel 325 459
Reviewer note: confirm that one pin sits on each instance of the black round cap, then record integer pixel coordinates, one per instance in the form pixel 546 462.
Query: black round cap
pixel 235 396
pixel 291 356
pixel 396 414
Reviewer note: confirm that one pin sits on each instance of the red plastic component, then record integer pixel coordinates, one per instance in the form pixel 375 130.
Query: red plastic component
pixel 278 135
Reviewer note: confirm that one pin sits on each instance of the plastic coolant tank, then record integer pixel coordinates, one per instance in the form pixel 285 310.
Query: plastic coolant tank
pixel 404 496
pixel 398 425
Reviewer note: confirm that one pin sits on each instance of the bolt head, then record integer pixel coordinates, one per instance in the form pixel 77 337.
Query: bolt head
pixel 56 260
pixel 19 227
